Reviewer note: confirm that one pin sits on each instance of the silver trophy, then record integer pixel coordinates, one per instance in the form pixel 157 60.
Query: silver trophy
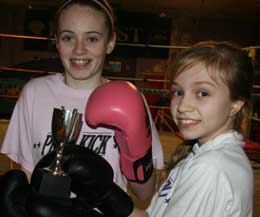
pixel 66 126
pixel 53 181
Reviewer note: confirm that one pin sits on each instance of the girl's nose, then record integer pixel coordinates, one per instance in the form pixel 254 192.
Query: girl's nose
pixel 185 105
pixel 79 48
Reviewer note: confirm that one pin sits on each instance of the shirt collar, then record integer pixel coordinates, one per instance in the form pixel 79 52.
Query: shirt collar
pixel 227 140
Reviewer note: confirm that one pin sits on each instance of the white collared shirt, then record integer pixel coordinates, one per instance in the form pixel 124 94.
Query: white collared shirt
pixel 215 180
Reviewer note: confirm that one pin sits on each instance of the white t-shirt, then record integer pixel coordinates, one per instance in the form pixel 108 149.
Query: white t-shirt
pixel 215 180
pixel 29 137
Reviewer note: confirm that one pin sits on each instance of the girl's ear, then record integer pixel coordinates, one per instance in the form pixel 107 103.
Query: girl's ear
pixel 236 107
pixel 111 44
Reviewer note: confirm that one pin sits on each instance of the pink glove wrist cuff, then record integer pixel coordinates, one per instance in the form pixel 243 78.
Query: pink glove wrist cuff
pixel 137 170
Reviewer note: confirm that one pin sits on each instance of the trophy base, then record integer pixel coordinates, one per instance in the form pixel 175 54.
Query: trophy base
pixel 51 185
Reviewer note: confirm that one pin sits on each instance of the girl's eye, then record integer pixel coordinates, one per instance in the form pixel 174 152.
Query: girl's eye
pixel 66 38
pixel 177 93
pixel 203 93
pixel 92 39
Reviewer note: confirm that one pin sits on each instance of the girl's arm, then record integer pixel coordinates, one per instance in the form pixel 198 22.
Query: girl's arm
pixel 143 191
pixel 138 213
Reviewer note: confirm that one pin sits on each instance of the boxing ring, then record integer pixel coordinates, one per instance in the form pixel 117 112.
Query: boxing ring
pixel 155 89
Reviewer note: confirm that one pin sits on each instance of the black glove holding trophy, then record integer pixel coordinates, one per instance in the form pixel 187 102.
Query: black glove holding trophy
pixel 53 181
pixel 87 175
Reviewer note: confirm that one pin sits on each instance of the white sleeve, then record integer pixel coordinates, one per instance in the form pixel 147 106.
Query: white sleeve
pixel 158 158
pixel 18 141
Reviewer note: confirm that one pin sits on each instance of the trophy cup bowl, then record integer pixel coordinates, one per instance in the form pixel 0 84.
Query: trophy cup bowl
pixel 66 126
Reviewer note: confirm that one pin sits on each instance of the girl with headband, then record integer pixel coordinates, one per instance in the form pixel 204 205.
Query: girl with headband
pixel 85 35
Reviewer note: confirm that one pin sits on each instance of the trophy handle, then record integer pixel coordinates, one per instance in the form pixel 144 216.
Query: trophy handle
pixel 75 128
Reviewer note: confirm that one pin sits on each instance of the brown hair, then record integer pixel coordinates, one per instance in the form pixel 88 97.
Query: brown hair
pixel 99 5
pixel 223 60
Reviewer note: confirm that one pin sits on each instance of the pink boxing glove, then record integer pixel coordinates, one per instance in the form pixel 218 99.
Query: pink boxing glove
pixel 119 105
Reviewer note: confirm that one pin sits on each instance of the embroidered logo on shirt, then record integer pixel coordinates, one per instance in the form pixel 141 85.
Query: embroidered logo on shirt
pixel 166 188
